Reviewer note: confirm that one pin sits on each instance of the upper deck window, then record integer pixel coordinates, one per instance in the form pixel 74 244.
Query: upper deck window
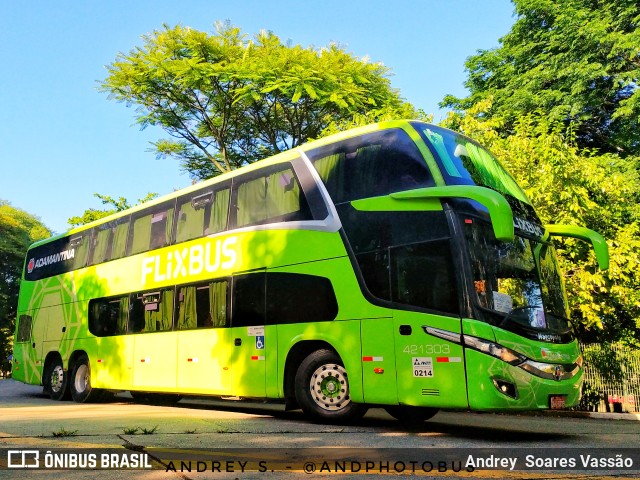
pixel 109 241
pixel 57 256
pixel 151 228
pixel 202 213
pixel 269 196
pixel 371 165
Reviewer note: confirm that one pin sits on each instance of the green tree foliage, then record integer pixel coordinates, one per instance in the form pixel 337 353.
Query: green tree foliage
pixel 226 100
pixel 569 185
pixel 117 205
pixel 578 61
pixel 18 230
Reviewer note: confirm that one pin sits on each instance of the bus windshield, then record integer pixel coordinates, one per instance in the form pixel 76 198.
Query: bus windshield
pixel 517 280
pixel 464 162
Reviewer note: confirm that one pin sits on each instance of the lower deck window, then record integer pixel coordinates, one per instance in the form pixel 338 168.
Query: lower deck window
pixel 416 275
pixel 202 306
pixel 259 298
pixel 24 328
pixel 151 312
pixel 108 316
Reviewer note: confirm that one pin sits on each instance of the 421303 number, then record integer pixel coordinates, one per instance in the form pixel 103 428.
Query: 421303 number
pixel 426 349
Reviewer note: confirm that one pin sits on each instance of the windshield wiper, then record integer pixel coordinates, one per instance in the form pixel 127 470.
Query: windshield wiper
pixel 510 314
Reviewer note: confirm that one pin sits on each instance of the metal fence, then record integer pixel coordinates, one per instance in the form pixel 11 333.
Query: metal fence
pixel 612 378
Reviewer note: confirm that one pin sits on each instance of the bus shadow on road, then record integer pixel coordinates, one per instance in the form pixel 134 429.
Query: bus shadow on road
pixel 495 434
pixel 449 425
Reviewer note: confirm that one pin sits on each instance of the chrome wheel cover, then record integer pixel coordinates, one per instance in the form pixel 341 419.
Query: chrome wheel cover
pixel 329 387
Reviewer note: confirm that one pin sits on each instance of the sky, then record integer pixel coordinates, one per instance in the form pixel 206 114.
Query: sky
pixel 62 140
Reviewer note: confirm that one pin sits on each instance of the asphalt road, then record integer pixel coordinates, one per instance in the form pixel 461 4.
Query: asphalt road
pixel 201 429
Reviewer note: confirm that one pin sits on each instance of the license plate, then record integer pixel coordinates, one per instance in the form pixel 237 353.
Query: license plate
pixel 557 402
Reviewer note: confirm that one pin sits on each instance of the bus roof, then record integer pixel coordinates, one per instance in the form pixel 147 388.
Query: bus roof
pixel 275 159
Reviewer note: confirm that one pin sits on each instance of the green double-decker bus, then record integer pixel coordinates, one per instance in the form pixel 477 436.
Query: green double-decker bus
pixel 395 265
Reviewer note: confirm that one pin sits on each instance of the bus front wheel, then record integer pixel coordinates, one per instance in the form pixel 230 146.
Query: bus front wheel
pixel 322 389
pixel 411 416
pixel 80 385
pixel 55 380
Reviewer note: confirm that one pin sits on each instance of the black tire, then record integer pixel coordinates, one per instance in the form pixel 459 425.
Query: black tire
pixel 411 416
pixel 55 381
pixel 80 382
pixel 322 389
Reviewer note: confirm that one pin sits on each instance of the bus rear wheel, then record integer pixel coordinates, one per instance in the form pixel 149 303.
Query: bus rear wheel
pixel 80 385
pixel 322 389
pixel 55 380
pixel 411 416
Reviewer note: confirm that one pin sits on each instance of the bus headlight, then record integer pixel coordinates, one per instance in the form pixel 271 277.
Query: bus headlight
pixel 539 369
pixel 495 350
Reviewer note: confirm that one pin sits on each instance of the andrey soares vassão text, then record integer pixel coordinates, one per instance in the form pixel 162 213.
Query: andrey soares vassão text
pixel 535 462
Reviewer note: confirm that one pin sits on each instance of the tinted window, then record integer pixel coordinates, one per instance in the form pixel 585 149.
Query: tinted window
pixel 418 275
pixel 151 228
pixel 368 231
pixel 274 196
pixel 151 311
pixel 404 257
pixel 295 298
pixel 374 267
pixel 464 162
pixel 80 243
pixel 202 306
pixel 58 256
pixel 518 280
pixel 109 241
pixel 202 213
pixel 422 275
pixel 108 316
pixel 24 328
pixel 248 305
pixel 371 165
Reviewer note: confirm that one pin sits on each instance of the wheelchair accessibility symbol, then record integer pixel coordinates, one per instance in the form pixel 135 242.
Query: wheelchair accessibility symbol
pixel 259 342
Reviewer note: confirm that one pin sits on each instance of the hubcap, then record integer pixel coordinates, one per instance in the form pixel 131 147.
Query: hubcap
pixel 57 378
pixel 81 381
pixel 329 387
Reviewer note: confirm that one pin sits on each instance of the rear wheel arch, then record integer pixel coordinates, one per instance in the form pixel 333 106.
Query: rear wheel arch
pixel 80 378
pixel 74 358
pixel 322 389
pixel 295 357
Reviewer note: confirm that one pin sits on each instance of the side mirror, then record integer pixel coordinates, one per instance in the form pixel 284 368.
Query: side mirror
pixel 597 241
pixel 499 209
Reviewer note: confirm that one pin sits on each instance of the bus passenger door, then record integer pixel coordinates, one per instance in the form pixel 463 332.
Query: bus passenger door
pixel 249 359
pixel 251 339
pixel 430 368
